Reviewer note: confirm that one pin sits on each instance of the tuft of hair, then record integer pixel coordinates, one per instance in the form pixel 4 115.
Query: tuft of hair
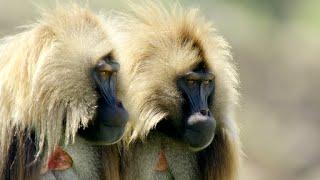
pixel 160 44
pixel 45 86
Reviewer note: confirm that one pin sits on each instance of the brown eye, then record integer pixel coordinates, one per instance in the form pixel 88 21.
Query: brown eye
pixel 104 74
pixel 206 82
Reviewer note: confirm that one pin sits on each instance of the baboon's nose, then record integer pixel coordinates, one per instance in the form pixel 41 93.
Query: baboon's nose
pixel 204 112
pixel 117 115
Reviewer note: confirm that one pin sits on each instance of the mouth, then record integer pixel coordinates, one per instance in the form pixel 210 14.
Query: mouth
pixel 197 140
pixel 197 133
pixel 102 133
pixel 114 134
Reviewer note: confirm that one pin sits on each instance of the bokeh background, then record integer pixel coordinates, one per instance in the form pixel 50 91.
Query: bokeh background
pixel 276 44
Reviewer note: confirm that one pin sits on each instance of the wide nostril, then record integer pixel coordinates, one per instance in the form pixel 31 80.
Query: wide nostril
pixel 119 104
pixel 204 112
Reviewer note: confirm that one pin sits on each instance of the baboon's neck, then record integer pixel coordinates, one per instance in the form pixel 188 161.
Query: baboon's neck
pixel 180 162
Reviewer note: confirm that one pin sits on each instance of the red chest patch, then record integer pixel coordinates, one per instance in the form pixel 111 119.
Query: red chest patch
pixel 58 160
pixel 162 163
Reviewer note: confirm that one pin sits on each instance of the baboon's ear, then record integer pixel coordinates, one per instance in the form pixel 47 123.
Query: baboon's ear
pixel 220 159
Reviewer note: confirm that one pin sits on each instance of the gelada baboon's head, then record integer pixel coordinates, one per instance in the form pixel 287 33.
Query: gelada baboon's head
pixel 177 73
pixel 59 78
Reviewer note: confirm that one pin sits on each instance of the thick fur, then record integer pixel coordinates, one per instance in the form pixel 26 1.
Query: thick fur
pixel 46 85
pixel 159 45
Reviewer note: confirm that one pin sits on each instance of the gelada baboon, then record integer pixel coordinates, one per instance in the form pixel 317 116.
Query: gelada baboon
pixel 181 91
pixel 58 83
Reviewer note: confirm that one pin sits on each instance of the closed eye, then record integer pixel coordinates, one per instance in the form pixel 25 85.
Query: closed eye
pixel 206 82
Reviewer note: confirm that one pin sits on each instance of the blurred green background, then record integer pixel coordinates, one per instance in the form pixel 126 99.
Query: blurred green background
pixel 276 44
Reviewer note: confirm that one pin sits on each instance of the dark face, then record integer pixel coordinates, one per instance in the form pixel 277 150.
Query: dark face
pixel 196 126
pixel 110 119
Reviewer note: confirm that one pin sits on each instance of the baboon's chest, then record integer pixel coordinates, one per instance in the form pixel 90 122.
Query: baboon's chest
pixel 86 163
pixel 163 159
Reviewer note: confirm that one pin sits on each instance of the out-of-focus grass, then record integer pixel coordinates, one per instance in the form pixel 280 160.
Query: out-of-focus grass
pixel 277 47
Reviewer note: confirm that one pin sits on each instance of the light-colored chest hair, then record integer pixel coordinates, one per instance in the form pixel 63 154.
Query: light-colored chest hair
pixel 86 163
pixel 144 157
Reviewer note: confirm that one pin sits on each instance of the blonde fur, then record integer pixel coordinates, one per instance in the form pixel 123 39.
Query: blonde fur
pixel 157 46
pixel 45 77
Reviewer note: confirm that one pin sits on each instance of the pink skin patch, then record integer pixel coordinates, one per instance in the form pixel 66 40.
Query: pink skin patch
pixel 162 163
pixel 59 160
